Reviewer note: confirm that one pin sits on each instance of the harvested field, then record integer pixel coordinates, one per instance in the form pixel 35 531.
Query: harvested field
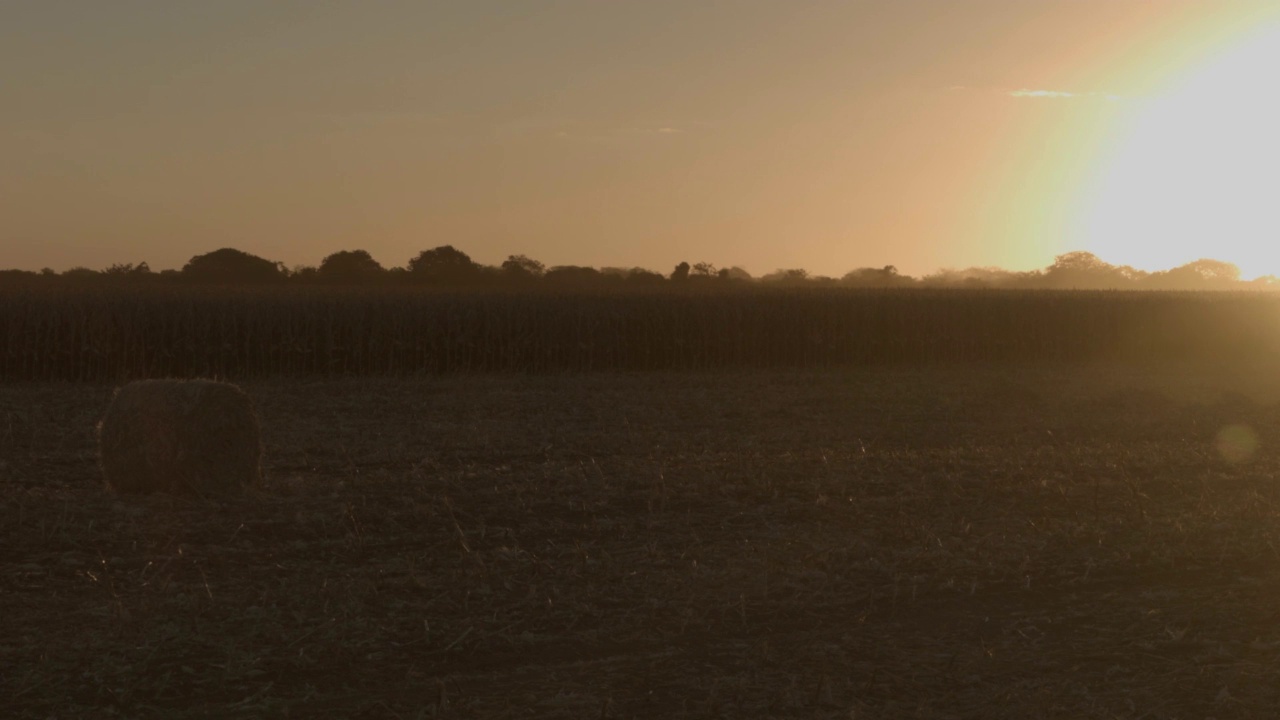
pixel 958 542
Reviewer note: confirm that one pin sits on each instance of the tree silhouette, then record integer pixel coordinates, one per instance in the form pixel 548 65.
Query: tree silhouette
pixel 1211 271
pixel 229 265
pixel 981 277
pixel 127 270
pixel 81 274
pixel 1078 261
pixel 1086 271
pixel 734 273
pixel 444 265
pixel 886 276
pixel 522 268
pixel 304 274
pixel 350 266
pixel 793 276
pixel 703 270
pixel 640 277
pixel 18 277
pixel 574 276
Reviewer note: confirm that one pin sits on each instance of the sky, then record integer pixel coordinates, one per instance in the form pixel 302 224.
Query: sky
pixel 818 134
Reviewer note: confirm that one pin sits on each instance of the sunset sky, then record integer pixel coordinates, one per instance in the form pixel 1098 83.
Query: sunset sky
pixel 820 134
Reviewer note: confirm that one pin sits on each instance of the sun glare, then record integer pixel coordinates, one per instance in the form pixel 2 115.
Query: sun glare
pixel 1196 170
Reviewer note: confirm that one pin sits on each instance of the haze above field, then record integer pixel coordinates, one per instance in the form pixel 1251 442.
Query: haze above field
pixel 822 135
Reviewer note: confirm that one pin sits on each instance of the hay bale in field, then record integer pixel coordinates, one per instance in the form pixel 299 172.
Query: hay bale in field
pixel 181 436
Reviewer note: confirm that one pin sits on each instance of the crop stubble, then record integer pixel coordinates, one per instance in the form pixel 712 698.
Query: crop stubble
pixel 952 542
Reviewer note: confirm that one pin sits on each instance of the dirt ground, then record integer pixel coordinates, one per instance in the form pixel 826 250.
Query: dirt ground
pixel 1072 542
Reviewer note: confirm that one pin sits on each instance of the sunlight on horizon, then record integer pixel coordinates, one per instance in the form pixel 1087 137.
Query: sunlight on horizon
pixel 826 136
pixel 1195 170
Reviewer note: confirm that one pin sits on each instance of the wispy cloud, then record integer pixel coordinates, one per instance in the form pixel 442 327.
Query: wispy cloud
pixel 1024 93
pixel 652 130
pixel 1035 93
pixel 1059 94
pixel 621 134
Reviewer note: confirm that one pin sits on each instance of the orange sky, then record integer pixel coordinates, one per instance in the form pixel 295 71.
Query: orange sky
pixel 768 134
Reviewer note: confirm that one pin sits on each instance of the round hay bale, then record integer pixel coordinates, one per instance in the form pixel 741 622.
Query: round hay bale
pixel 182 436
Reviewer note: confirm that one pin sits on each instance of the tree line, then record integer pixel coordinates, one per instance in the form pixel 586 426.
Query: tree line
pixel 447 267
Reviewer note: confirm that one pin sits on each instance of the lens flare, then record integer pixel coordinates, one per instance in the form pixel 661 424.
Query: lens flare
pixel 1237 443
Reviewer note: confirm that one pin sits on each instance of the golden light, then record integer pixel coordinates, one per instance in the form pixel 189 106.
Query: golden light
pixel 1195 170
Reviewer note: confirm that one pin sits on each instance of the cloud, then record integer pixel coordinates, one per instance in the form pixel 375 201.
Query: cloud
pixel 1061 94
pixel 1035 93
pixel 1024 93
pixel 651 130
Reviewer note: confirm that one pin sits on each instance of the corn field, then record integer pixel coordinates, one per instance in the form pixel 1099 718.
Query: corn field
pixel 113 334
